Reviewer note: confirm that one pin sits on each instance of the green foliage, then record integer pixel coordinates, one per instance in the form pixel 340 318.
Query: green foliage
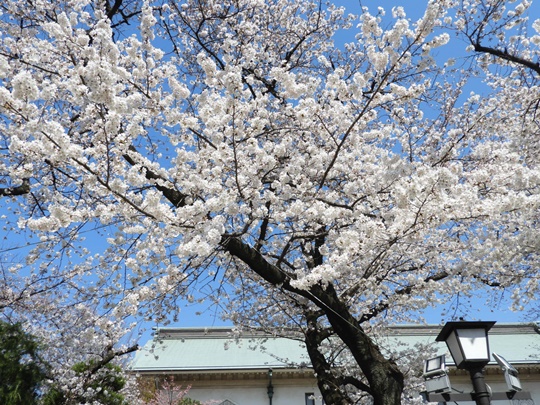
pixel 107 384
pixel 53 397
pixel 189 401
pixel 21 371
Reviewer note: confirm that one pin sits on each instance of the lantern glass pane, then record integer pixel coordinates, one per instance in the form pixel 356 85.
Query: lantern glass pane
pixel 455 350
pixel 474 344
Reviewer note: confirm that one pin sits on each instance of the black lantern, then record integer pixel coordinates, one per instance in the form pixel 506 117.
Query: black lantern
pixel 469 346
pixel 467 341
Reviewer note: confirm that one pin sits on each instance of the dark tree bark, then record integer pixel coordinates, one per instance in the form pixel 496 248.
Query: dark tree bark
pixel 23 189
pixel 385 380
pixel 329 385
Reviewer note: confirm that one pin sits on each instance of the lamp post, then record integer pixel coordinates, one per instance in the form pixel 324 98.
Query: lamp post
pixel 270 390
pixel 469 346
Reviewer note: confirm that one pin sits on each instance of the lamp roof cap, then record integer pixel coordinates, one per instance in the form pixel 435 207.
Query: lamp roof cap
pixel 450 326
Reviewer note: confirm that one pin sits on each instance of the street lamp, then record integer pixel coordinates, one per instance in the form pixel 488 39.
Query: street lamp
pixel 436 376
pixel 468 344
pixel 510 374
pixel 270 390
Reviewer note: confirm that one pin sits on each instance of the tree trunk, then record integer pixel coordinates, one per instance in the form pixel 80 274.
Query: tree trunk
pixel 385 380
pixel 329 385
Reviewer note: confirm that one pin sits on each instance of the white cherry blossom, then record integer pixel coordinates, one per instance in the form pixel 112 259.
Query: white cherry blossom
pixel 154 151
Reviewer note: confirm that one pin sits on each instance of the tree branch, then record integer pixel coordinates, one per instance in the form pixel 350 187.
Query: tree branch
pixel 349 380
pixel 176 198
pixel 111 355
pixel 256 261
pixel 507 56
pixel 24 188
pixel 327 382
pixel 383 375
pixel 384 305
pixel 112 10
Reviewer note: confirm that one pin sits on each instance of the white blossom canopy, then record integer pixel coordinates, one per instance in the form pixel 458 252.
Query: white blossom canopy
pixel 239 141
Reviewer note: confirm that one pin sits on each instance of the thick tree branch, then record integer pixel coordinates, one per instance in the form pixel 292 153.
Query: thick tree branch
pixel 327 382
pixel 176 198
pixel 384 377
pixel 24 188
pixel 110 356
pixel 256 261
pixel 535 66
pixel 349 380
pixel 112 10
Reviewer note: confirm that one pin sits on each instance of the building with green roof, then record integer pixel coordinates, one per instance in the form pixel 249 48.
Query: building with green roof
pixel 226 368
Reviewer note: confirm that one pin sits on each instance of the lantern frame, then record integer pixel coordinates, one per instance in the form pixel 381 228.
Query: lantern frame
pixel 467 342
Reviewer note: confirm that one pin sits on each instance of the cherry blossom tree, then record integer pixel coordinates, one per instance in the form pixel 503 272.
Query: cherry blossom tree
pixel 80 349
pixel 167 392
pixel 326 172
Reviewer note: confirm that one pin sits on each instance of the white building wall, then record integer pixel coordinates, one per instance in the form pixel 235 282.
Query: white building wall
pixel 293 393
pixel 284 394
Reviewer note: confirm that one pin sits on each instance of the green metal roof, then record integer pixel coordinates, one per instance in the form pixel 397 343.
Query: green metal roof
pixel 196 349
pixel 189 349
pixel 518 343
